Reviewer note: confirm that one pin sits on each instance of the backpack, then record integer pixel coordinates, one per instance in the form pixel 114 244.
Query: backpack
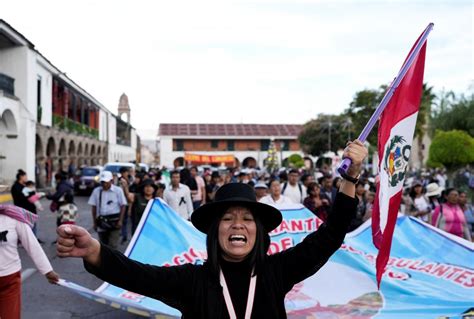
pixel 285 184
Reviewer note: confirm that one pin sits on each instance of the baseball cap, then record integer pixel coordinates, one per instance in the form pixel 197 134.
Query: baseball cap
pixel 106 176
pixel 261 185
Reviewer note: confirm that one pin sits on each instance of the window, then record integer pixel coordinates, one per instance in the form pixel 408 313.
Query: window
pixel 214 143
pixel 38 91
pixel 285 145
pixel 264 145
pixel 230 146
pixel 179 145
pixel 39 110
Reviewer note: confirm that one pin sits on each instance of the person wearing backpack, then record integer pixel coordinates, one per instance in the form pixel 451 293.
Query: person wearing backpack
pixel 293 189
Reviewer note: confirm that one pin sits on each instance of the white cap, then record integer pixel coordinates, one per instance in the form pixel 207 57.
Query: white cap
pixel 106 176
pixel 261 185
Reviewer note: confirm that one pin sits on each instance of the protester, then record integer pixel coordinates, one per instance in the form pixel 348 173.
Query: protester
pixel 134 187
pixel 124 183
pixel 327 188
pixel 369 206
pixel 15 226
pixel 468 211
pixel 198 195
pixel 450 217
pixel 108 208
pixel 361 207
pixel 178 196
pixel 420 202
pixel 160 190
pixel 275 197
pixel 67 212
pixel 147 191
pixel 316 202
pixel 293 189
pixel 19 198
pixel 307 179
pixel 433 192
pixel 33 196
pixel 261 190
pixel 63 187
pixel 237 272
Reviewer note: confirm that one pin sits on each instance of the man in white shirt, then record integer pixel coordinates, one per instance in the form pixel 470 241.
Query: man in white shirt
pixel 275 198
pixel 178 197
pixel 108 209
pixel 292 189
pixel 199 195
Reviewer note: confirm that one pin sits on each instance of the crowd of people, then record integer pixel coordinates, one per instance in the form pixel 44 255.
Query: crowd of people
pixel 118 204
pixel 426 196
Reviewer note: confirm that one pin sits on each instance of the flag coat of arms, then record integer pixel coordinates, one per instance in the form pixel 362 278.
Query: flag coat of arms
pixel 395 137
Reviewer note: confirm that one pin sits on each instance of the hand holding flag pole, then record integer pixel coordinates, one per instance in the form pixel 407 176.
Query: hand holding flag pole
pixel 344 166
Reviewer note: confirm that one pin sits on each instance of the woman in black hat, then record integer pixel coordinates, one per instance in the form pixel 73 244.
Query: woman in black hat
pixel 238 279
pixel 146 191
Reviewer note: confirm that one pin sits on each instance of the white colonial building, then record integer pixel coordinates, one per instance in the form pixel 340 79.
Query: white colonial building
pixel 47 121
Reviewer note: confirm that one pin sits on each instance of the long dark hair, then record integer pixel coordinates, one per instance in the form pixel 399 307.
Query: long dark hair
pixel 256 257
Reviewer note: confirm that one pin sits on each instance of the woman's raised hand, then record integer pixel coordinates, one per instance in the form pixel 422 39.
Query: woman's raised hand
pixel 75 241
pixel 357 152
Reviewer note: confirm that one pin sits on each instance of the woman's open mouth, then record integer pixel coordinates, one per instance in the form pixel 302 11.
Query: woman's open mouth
pixel 238 240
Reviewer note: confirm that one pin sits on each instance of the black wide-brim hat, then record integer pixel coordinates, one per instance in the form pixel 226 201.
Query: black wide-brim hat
pixel 147 182
pixel 235 194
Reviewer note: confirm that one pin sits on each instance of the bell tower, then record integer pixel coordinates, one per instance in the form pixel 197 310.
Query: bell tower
pixel 124 107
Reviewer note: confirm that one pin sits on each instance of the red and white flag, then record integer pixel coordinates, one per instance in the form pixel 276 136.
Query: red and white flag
pixel 395 136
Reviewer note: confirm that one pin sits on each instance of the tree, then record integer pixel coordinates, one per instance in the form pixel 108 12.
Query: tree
pixel 451 149
pixel 296 161
pixel 318 136
pixel 454 114
pixel 361 109
pixel 421 128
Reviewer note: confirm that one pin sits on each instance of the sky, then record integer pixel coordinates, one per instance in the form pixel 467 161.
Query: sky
pixel 262 61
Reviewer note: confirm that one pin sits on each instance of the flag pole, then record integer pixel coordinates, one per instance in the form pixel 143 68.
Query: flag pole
pixel 344 166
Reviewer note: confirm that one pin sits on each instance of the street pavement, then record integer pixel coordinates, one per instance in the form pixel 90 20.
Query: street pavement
pixel 40 300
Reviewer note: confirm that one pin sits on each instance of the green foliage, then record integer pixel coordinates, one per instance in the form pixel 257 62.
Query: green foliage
pixel 454 114
pixel 314 138
pixel 452 149
pixel 361 109
pixel 73 126
pixel 296 161
pixel 271 162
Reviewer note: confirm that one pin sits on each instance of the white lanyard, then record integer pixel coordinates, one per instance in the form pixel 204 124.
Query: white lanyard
pixel 250 298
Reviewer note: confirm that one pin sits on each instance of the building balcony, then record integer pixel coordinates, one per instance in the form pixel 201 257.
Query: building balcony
pixel 71 126
pixel 7 84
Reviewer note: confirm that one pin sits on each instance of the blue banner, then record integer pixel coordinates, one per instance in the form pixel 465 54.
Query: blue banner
pixel 430 274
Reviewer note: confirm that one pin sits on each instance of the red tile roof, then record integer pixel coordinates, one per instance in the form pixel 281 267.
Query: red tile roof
pixel 269 130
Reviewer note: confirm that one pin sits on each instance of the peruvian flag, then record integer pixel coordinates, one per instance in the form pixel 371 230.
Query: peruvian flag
pixel 395 136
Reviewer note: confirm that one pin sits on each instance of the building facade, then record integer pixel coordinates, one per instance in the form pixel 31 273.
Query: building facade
pixel 232 145
pixel 47 121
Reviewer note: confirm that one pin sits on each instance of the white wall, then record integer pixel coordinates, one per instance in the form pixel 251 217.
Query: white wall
pixel 20 64
pixel 166 148
pixel 133 138
pixel 112 134
pixel 147 155
pixel 103 125
pixel 10 148
pixel 121 153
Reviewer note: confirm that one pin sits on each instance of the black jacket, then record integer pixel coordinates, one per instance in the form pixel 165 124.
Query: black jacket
pixel 62 189
pixel 190 289
pixel 20 200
